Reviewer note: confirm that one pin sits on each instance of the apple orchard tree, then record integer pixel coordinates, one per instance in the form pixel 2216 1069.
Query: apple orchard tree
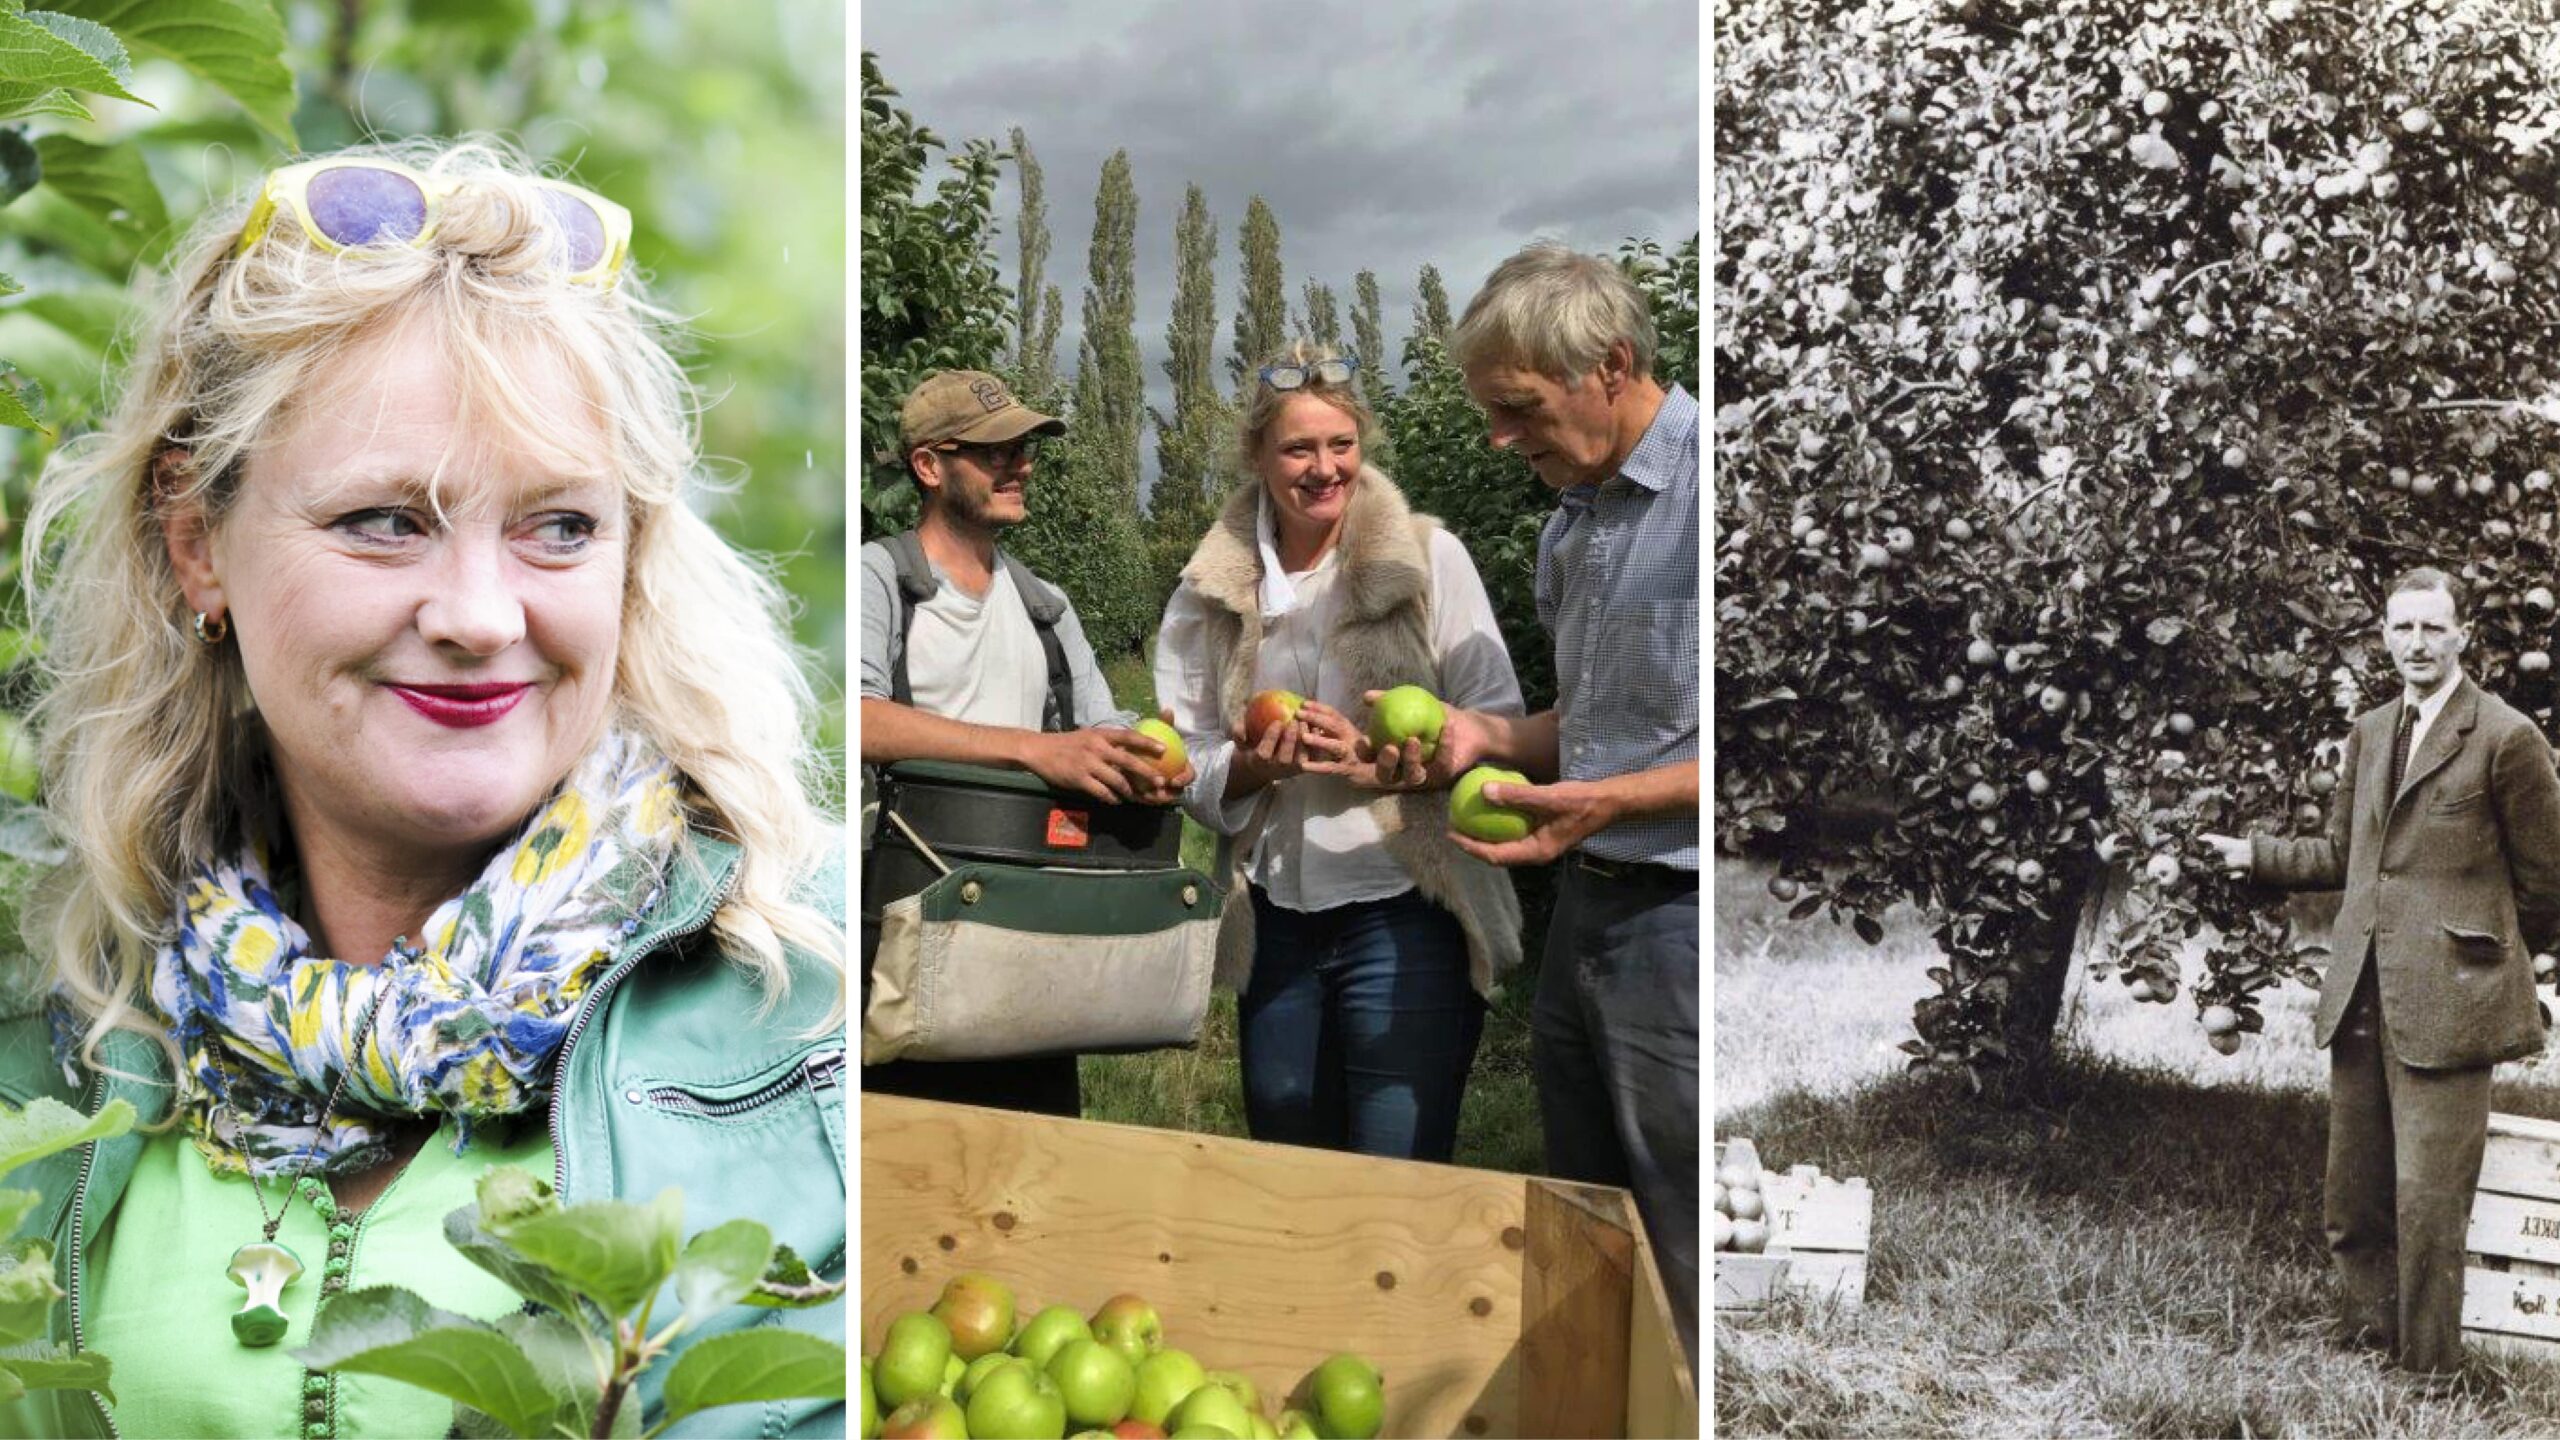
pixel 2085 369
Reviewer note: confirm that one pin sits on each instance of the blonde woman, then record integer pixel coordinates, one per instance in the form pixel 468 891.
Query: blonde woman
pixel 1370 943
pixel 437 786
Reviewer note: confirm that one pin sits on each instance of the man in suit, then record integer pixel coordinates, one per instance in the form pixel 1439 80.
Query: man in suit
pixel 2446 842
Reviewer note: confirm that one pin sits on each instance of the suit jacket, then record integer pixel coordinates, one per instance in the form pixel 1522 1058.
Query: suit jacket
pixel 2451 885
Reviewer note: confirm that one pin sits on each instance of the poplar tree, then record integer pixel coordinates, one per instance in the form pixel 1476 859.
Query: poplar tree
pixel 1369 339
pixel 1431 307
pixel 1262 310
pixel 1083 532
pixel 1192 442
pixel 1037 311
pixel 1324 317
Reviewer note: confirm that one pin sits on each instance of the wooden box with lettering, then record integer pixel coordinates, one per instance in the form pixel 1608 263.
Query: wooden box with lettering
pixel 2511 1277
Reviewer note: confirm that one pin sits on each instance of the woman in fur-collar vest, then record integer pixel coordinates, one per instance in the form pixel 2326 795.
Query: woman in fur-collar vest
pixel 1362 944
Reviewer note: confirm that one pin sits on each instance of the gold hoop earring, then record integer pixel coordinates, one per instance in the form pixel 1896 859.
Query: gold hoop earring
pixel 211 629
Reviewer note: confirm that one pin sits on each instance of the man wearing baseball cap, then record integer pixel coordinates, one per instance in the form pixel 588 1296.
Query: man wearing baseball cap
pixel 967 656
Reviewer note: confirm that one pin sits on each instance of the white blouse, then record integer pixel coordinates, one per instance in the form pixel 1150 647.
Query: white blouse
pixel 1309 841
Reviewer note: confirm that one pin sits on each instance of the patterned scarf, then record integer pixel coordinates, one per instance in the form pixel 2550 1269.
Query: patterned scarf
pixel 469 1019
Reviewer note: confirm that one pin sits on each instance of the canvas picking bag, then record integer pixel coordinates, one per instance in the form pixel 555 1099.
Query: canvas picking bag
pixel 1004 920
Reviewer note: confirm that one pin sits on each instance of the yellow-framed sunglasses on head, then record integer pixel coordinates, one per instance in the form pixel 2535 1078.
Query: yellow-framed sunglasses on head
pixel 345 204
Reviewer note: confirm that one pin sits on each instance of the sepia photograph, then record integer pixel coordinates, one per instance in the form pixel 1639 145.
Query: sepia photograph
pixel 2138 832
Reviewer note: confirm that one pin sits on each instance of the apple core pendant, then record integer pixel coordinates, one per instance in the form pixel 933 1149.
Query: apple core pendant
pixel 264 1270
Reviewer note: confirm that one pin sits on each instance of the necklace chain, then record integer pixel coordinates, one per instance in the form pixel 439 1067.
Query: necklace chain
pixel 311 1155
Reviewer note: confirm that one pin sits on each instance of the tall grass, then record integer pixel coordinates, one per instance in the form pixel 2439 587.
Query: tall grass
pixel 2132 1248
pixel 1202 1089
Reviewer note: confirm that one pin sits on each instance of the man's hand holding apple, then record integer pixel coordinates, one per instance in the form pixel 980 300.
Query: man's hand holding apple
pixel 1112 765
pixel 1561 816
pixel 1465 742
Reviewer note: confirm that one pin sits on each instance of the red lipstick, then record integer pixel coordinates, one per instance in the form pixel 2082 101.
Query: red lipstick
pixel 461 707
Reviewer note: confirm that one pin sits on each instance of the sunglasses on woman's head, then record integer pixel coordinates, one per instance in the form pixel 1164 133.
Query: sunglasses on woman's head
pixel 348 204
pixel 1297 377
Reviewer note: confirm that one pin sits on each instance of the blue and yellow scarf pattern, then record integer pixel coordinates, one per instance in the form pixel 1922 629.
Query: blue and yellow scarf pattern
pixel 472 1010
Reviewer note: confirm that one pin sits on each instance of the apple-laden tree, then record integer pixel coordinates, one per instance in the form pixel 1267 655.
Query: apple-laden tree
pixel 2086 369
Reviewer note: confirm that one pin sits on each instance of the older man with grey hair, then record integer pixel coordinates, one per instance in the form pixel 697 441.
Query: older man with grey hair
pixel 1557 350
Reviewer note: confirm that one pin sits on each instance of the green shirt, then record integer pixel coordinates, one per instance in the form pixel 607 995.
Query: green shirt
pixel 162 1303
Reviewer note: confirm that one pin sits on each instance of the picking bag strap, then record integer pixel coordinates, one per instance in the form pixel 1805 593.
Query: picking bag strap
pixel 915 586
pixel 1045 614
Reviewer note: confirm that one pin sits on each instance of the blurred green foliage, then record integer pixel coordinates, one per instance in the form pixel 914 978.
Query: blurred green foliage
pixel 720 126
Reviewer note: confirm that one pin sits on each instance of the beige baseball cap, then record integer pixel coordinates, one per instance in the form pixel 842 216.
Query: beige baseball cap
pixel 971 407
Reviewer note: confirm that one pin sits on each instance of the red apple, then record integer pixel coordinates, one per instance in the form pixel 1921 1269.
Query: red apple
pixel 1269 708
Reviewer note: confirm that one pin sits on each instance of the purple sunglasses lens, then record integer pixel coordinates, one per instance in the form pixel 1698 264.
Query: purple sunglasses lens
pixel 358 205
pixel 580 228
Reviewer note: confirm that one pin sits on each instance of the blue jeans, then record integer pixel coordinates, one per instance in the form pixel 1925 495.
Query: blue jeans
pixel 1358 1026
pixel 1614 1041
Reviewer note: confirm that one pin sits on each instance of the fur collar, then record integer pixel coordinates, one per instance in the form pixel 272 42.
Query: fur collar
pixel 1383 559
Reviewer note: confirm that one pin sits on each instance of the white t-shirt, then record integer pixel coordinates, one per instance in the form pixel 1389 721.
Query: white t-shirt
pixel 1315 845
pixel 977 659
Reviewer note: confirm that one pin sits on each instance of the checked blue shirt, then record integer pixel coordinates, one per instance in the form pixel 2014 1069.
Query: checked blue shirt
pixel 1618 589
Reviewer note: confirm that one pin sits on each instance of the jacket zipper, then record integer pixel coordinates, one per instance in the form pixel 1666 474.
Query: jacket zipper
pixel 595 1002
pixel 79 1206
pixel 819 1072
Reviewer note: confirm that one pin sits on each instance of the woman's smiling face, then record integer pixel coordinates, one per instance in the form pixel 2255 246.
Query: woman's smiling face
pixel 1309 459
pixel 428 663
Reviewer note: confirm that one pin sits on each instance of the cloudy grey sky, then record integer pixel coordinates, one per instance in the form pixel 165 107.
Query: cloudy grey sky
pixel 1384 135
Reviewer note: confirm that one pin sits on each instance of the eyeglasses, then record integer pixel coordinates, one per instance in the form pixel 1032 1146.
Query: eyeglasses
pixel 346 204
pixel 995 457
pixel 1296 377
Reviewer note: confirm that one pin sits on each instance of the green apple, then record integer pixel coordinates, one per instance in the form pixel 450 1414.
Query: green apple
pixel 1212 1405
pixel 870 1404
pixel 1165 1379
pixel 912 1359
pixel 1471 815
pixel 1349 1396
pixel 979 1370
pixel 1049 1330
pixel 1263 1429
pixel 1246 1392
pixel 1294 1425
pixel 931 1418
pixel 1017 1401
pixel 1408 712
pixel 1170 763
pixel 978 1310
pixel 952 1370
pixel 1096 1380
pixel 1131 1326
pixel 1205 1432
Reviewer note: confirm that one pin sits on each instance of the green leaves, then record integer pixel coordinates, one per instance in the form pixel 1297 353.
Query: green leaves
pixel 55 1367
pixel 45 55
pixel 788 1284
pixel 751 1365
pixel 108 183
pixel 27 1290
pixel 611 1251
pixel 387 1331
pixel 236 45
pixel 722 1266
pixel 45 1127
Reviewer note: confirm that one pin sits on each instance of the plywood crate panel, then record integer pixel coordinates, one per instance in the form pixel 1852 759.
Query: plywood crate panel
pixel 1494 1304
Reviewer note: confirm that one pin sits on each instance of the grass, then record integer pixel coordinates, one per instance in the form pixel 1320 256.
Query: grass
pixel 1202 1089
pixel 2134 1249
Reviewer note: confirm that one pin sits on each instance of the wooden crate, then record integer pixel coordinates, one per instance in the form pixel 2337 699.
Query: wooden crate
pixel 1823 1226
pixel 1819 1229
pixel 1495 1305
pixel 2511 1277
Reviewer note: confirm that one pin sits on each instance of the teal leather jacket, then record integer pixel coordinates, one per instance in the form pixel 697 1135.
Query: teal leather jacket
pixel 668 1077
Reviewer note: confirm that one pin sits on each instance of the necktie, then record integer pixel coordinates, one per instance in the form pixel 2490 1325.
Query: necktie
pixel 2400 750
